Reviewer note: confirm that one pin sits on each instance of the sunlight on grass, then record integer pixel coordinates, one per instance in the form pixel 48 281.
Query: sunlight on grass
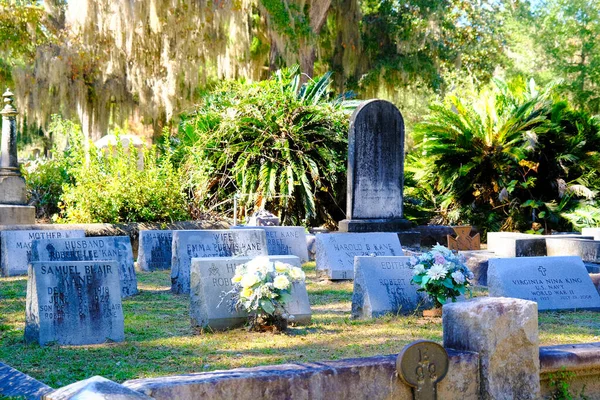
pixel 159 339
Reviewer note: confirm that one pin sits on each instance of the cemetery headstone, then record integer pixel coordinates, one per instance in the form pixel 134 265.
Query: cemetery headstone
pixel 99 248
pixel 15 247
pixel 477 262
pixel 211 278
pixel 514 244
pixel 463 240
pixel 375 170
pixel 73 303
pixel 555 283
pixel 284 240
pixel 154 251
pixel 211 243
pixel 593 232
pixel 336 251
pixel 382 286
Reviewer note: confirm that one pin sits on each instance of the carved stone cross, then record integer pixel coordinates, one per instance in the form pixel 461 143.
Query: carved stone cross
pixel 463 241
pixel 421 365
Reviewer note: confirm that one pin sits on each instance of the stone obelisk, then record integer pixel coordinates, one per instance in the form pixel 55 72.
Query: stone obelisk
pixel 13 195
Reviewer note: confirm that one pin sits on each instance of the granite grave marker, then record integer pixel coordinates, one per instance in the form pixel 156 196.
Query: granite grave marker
pixel 375 169
pixel 15 247
pixel 154 251
pixel 98 248
pixel 74 303
pixel 211 278
pixel 382 286
pixel 555 283
pixel 336 251
pixel 211 243
pixel 284 240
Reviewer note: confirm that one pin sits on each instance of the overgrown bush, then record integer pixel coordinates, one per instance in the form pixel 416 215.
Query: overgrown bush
pixel 512 159
pixel 278 144
pixel 107 186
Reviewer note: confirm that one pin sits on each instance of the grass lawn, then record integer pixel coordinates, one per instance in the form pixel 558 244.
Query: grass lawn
pixel 159 339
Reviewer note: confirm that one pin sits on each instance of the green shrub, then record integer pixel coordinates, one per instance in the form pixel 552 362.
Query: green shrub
pixel 111 188
pixel 104 186
pixel 512 159
pixel 278 144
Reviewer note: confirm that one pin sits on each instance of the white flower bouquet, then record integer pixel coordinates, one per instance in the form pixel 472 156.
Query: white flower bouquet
pixel 263 289
pixel 441 274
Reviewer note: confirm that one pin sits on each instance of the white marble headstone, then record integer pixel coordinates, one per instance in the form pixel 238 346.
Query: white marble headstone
pixel 555 283
pixel 211 279
pixel 15 247
pixel 336 251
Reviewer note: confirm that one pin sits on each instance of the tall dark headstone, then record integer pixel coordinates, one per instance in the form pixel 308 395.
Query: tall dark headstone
pixel 375 170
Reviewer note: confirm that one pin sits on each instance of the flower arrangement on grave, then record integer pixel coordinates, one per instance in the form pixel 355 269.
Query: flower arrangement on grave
pixel 441 274
pixel 262 288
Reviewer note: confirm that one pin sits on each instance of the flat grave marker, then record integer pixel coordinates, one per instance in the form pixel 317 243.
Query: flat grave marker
pixel 211 243
pixel 555 283
pixel 382 286
pixel 15 247
pixel 74 303
pixel 155 250
pixel 98 248
pixel 336 251
pixel 284 240
pixel 211 278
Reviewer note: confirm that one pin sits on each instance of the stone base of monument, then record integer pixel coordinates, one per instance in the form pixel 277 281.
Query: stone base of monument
pixel 12 189
pixel 408 238
pixel 16 215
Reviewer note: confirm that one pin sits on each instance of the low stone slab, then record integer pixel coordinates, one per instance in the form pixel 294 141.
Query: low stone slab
pixel 15 384
pixel 477 262
pixel 284 240
pixel 154 251
pixel 336 251
pixel 555 283
pixel 382 286
pixel 511 244
pixel 97 388
pixel 211 279
pixel 588 250
pixel 100 248
pixel 15 247
pixel 593 232
pixel 73 303
pixel 211 243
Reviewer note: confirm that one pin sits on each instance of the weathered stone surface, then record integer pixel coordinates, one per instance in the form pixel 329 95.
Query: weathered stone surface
pixel 154 251
pixel 15 247
pixel 211 279
pixel 596 281
pixel 375 162
pixel 336 251
pixel 12 190
pixel 477 261
pixel 114 248
pixel 513 244
pixel 96 388
pixel 504 332
pixel 555 283
pixel 588 250
pixel 16 384
pixel 16 215
pixel 73 303
pixel 284 240
pixel 211 243
pixel 353 379
pixel 433 234
pixel 580 360
pixel 382 286
pixel 263 218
